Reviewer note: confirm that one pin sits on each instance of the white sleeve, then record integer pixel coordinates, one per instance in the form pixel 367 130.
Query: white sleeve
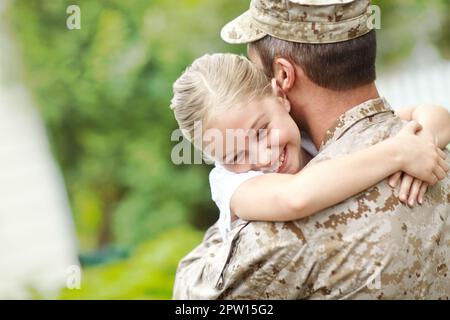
pixel 223 185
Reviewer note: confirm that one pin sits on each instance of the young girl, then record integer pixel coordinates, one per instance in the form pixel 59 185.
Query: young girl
pixel 260 176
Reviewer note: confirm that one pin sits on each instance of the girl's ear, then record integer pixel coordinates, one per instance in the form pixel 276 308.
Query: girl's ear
pixel 277 91
pixel 287 105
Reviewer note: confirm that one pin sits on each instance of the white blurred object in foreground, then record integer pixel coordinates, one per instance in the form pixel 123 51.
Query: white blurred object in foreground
pixel 423 79
pixel 37 240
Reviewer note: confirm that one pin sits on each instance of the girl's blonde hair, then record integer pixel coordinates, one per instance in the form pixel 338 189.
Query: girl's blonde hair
pixel 214 83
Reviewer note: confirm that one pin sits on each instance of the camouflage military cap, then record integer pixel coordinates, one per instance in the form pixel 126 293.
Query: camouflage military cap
pixel 305 21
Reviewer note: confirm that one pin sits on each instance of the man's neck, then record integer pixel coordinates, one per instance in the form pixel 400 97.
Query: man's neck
pixel 316 109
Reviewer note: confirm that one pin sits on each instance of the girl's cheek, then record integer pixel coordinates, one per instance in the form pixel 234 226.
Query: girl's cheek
pixel 278 137
pixel 274 136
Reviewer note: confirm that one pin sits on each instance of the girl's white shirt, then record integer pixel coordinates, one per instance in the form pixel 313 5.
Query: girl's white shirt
pixel 224 183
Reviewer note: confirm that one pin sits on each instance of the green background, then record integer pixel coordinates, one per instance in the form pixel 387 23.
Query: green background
pixel 104 92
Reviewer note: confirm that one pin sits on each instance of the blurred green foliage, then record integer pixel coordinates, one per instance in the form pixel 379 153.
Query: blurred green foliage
pixel 405 23
pixel 104 91
pixel 147 274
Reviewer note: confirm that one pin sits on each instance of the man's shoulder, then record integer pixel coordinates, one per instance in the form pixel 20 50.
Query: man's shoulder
pixel 362 134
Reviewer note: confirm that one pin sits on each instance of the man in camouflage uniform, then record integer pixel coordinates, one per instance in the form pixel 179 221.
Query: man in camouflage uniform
pixel 369 247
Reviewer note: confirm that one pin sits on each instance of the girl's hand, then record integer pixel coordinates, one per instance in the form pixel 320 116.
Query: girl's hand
pixel 412 190
pixel 420 157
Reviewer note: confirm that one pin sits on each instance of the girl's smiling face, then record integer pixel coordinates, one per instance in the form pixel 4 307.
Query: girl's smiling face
pixel 258 136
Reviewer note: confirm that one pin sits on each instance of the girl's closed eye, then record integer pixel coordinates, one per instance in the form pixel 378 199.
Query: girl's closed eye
pixel 238 157
pixel 262 133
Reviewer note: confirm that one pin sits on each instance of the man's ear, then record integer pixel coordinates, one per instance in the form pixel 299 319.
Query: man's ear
pixel 284 73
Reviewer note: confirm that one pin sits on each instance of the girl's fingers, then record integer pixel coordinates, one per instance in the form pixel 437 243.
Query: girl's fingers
pixel 433 180
pixel 442 154
pixel 394 179
pixel 423 190
pixel 440 173
pixel 413 127
pixel 414 192
pixel 444 165
pixel 405 187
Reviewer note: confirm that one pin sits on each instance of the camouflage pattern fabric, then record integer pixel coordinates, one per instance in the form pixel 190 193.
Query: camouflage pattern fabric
pixel 370 246
pixel 305 21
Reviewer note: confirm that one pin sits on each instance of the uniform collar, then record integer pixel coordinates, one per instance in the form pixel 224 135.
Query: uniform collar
pixel 354 115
